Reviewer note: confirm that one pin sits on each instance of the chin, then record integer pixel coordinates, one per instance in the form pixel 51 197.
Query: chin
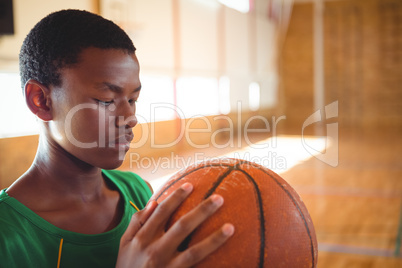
pixel 111 164
pixel 110 159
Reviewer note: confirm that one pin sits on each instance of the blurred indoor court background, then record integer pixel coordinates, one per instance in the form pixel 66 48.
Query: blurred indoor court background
pixel 310 89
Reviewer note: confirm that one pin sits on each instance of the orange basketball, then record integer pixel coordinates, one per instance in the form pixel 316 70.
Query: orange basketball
pixel 272 225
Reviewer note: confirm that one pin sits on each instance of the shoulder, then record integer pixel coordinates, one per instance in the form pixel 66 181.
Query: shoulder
pixel 11 219
pixel 3 195
pixel 130 184
pixel 5 205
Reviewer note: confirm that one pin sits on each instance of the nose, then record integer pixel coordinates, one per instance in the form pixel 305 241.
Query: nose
pixel 126 116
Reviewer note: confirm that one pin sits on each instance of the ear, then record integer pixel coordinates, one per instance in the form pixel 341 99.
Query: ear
pixel 37 97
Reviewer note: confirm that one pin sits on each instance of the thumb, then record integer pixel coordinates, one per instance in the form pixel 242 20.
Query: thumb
pixel 137 221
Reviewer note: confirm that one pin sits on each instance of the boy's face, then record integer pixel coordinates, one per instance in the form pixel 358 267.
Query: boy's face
pixel 94 108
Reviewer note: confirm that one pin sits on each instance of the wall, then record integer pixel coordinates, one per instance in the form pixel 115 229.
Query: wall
pixel 202 38
pixel 26 14
pixel 16 155
pixel 296 65
pixel 362 62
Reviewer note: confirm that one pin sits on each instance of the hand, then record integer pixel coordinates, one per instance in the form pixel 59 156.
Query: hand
pixel 146 243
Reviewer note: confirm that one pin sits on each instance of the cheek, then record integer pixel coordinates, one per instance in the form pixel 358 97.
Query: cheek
pixel 96 125
pixel 83 125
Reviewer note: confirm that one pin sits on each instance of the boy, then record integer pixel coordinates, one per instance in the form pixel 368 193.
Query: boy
pixel 80 77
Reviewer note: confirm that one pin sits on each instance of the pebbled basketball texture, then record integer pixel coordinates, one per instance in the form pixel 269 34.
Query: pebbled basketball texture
pixel 272 225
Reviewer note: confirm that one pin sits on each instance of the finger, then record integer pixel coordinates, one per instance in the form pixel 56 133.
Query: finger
pixel 165 209
pixel 138 220
pixel 186 224
pixel 199 251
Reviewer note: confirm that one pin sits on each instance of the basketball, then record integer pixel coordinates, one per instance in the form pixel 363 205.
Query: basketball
pixel 272 225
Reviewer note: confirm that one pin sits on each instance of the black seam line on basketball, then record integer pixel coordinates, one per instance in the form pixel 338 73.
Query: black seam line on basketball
pixel 218 182
pixel 185 174
pixel 184 245
pixel 300 212
pixel 262 218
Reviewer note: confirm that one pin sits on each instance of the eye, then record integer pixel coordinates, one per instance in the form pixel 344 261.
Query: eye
pixel 132 101
pixel 105 103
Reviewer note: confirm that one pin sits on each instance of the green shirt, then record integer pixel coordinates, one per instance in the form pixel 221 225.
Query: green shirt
pixel 27 240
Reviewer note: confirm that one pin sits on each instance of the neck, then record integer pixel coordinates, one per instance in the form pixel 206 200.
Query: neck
pixel 64 173
pixel 72 194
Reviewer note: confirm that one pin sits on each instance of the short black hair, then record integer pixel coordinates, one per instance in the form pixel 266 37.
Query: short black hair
pixel 57 40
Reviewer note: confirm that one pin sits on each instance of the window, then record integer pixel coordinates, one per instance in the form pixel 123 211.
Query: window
pixel 239 5
pixel 224 95
pixel 254 96
pixel 197 96
pixel 16 119
pixel 156 101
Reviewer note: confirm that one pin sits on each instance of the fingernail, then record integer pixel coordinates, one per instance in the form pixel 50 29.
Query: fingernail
pixel 217 199
pixel 151 204
pixel 228 229
pixel 187 187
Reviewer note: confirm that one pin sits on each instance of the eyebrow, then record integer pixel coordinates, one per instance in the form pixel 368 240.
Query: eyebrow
pixel 115 88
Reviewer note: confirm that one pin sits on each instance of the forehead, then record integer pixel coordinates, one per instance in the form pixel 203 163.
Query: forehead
pixel 95 66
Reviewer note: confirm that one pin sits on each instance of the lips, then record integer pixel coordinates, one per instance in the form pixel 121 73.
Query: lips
pixel 123 140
